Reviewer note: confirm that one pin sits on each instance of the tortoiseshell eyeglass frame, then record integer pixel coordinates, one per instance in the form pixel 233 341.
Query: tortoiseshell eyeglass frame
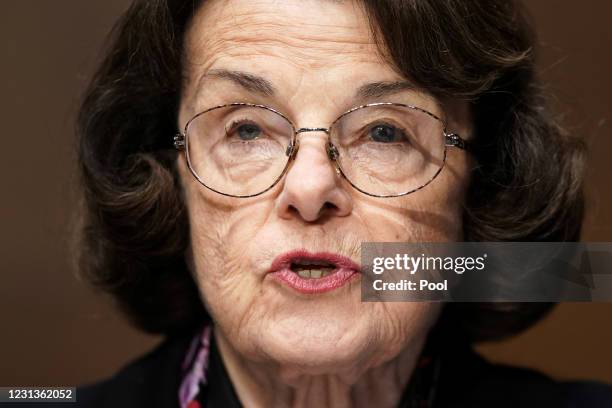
pixel 451 140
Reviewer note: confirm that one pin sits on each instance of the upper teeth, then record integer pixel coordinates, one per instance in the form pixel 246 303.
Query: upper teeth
pixel 315 262
pixel 313 273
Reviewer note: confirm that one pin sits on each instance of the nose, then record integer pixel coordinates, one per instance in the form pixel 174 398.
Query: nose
pixel 312 187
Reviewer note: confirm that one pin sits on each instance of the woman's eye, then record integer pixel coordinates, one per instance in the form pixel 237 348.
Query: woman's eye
pixel 385 134
pixel 248 132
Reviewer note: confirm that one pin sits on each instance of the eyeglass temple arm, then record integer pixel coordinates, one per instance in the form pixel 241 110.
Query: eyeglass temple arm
pixel 454 140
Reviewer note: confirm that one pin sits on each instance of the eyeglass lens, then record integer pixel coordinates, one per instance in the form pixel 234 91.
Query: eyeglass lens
pixel 383 150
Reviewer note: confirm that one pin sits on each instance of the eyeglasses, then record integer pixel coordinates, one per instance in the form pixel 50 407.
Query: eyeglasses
pixel 381 149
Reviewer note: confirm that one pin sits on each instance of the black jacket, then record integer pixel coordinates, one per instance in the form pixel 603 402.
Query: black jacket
pixel 465 380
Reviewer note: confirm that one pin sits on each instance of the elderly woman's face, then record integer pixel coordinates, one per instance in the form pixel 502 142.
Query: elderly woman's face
pixel 311 57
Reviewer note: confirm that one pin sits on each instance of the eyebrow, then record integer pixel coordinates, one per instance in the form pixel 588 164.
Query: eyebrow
pixel 250 82
pixel 380 89
pixel 257 84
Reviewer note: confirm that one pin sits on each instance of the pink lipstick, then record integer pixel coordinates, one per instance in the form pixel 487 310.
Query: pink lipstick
pixel 312 273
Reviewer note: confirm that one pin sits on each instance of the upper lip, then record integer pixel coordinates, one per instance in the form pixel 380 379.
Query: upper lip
pixel 284 261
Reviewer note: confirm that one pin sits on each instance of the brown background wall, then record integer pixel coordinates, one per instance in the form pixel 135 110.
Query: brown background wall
pixel 55 331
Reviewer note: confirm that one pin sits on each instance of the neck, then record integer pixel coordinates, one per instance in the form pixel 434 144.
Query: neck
pixel 263 384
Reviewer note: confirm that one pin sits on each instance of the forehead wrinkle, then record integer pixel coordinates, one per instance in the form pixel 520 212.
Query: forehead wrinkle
pixel 266 18
pixel 302 32
pixel 299 56
pixel 283 44
pixel 234 26
pixel 298 52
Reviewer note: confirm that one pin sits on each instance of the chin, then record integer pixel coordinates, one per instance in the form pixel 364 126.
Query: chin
pixel 326 346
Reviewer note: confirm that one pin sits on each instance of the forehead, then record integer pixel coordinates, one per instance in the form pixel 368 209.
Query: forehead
pixel 306 31
pixel 320 43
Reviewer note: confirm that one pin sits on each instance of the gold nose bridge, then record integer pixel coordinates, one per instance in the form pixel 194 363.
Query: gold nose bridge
pixel 332 151
pixel 303 130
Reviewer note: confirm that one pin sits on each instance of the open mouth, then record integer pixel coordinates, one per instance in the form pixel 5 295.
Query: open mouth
pixel 312 269
pixel 312 273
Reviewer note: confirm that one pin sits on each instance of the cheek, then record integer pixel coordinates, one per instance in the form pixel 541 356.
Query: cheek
pixel 437 212
pixel 433 214
pixel 219 264
pixel 221 232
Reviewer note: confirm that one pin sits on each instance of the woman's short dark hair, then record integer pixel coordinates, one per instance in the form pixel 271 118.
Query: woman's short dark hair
pixel 527 185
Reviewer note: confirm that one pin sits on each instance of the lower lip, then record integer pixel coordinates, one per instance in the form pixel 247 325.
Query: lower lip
pixel 336 279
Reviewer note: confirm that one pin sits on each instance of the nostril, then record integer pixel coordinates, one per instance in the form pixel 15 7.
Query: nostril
pixel 293 210
pixel 329 207
pixel 326 209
